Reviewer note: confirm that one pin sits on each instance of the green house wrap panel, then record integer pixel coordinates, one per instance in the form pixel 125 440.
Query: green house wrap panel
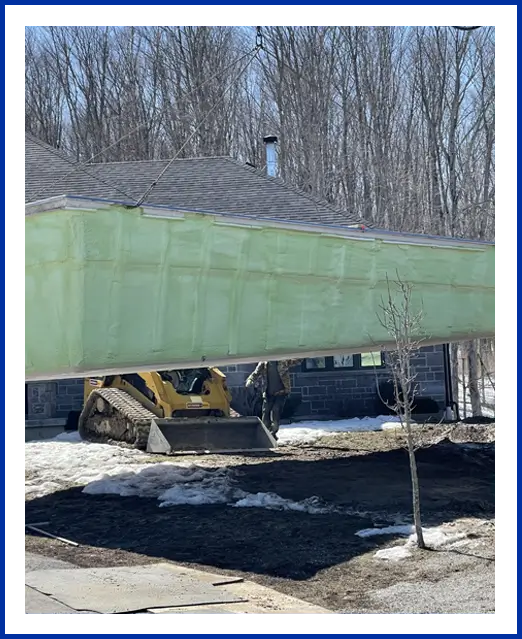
pixel 116 289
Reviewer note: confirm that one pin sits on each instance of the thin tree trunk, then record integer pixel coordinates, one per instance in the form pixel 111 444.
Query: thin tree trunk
pixel 474 393
pixel 414 485
pixel 454 366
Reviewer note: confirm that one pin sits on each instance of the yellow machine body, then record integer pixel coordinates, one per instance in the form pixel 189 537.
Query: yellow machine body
pixel 169 394
pixel 168 412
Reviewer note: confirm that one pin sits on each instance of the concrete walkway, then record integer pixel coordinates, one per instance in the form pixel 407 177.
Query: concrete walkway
pixel 256 599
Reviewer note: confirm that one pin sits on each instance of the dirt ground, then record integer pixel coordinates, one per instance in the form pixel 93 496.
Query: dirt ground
pixel 316 557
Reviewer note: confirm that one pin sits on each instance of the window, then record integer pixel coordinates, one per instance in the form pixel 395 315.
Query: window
pixel 371 359
pixel 343 361
pixel 315 363
pixel 363 361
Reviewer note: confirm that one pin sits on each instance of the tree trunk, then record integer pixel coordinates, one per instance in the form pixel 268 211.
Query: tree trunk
pixel 414 485
pixel 473 385
pixel 454 359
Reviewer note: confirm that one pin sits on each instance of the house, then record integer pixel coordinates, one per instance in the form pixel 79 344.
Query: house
pixel 344 385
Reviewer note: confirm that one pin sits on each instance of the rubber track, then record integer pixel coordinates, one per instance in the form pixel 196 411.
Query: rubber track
pixel 125 405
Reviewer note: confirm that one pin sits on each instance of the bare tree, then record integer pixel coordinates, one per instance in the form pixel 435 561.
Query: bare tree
pixel 44 99
pixel 403 323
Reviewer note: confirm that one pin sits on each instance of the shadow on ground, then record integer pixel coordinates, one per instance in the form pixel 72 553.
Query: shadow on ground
pixel 455 482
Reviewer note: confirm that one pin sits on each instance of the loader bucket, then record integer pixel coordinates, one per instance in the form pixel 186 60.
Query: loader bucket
pixel 208 434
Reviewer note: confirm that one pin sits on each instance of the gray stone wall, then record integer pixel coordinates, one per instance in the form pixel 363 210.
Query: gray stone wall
pixel 69 393
pixel 322 393
pixel 345 393
pixel 41 400
pixel 237 373
pixel 52 400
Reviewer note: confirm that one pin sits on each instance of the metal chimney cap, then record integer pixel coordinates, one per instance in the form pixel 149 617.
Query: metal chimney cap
pixel 270 139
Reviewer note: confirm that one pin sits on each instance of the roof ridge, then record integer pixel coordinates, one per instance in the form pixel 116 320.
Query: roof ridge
pixel 200 157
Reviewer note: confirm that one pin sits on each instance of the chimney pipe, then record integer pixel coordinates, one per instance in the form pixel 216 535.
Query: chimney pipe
pixel 271 154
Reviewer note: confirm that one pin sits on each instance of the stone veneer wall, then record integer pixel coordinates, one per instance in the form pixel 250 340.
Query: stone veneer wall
pixel 322 393
pixel 352 393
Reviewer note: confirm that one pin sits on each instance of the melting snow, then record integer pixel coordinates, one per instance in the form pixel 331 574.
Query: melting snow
pixel 309 431
pixel 156 480
pixel 393 554
pixel 67 461
pixel 434 538
pixel 271 501
pixel 388 530
pixel 110 470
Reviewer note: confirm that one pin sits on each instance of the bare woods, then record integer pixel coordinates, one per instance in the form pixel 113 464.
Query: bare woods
pixel 395 123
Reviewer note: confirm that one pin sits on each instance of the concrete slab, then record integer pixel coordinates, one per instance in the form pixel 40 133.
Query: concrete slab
pixel 206 577
pixel 126 589
pixel 38 603
pixel 258 599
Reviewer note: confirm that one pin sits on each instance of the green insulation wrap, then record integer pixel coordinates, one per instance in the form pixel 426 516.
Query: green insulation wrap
pixel 112 289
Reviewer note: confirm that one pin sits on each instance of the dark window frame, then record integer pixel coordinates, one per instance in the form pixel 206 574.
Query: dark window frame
pixel 329 365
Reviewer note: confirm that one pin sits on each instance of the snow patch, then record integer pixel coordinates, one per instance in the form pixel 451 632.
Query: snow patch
pixel 147 480
pixel 393 554
pixel 271 501
pixel 104 469
pixel 202 487
pixel 437 538
pixel 61 463
pixel 309 431
pixel 434 538
pixel 175 485
pixel 388 530
pixel 172 484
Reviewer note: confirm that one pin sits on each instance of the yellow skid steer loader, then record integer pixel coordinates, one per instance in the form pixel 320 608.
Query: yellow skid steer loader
pixel 184 411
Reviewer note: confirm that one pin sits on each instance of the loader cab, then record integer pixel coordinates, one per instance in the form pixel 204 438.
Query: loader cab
pixel 171 377
pixel 188 381
pixel 192 381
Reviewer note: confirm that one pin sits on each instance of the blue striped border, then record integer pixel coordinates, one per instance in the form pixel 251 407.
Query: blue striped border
pixel 504 101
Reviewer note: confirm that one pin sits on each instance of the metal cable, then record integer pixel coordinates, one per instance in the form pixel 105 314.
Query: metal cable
pixel 82 165
pixel 77 167
pixel 196 130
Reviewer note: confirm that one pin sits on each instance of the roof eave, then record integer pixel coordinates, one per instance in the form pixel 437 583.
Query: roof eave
pixel 251 221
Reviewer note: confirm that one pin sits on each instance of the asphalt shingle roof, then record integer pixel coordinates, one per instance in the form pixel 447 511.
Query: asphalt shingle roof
pixel 49 172
pixel 214 184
